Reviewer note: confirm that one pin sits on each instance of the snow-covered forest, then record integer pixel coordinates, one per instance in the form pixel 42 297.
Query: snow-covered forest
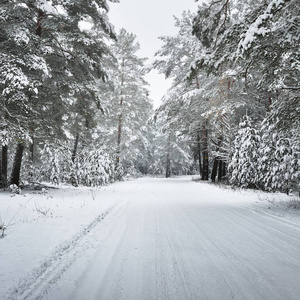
pixel 75 106
pixel 105 196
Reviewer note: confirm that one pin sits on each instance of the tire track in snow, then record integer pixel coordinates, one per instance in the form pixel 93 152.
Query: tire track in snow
pixel 128 264
pixel 40 280
pixel 267 235
pixel 179 270
pixel 126 238
pixel 161 267
pixel 259 239
pixel 226 253
pixel 229 269
pixel 266 212
pixel 160 283
pixel 213 253
pixel 173 280
pixel 266 215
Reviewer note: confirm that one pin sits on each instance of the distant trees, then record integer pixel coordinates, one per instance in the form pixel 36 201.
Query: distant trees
pixel 172 153
pixel 125 127
pixel 184 103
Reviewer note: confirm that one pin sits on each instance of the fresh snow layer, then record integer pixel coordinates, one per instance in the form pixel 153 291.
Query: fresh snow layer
pixel 150 238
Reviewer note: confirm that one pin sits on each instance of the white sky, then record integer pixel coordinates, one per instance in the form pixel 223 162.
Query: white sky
pixel 149 19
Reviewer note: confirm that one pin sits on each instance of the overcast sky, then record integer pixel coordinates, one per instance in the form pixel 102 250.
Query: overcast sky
pixel 149 19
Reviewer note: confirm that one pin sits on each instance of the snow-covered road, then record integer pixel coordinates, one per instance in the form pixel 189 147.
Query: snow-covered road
pixel 174 239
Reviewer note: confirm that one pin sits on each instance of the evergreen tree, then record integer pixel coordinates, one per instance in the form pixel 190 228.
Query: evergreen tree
pixel 172 151
pixel 244 164
pixel 126 128
pixel 178 54
pixel 49 66
pixel 279 165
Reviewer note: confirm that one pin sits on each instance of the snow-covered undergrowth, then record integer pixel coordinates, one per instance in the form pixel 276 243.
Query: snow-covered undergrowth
pixel 36 222
pixel 278 204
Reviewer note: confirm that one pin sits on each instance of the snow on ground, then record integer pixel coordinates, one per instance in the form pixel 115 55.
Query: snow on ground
pixel 151 238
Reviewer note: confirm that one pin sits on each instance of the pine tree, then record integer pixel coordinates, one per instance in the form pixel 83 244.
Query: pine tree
pixel 172 152
pixel 244 164
pixel 177 56
pixel 49 65
pixel 125 127
pixel 279 164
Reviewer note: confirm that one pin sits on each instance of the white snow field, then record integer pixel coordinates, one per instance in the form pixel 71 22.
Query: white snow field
pixel 150 238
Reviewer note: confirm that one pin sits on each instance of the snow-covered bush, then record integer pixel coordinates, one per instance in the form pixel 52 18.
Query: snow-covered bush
pixel 14 189
pixel 119 172
pixel 279 163
pixel 55 163
pixel 131 172
pixel 92 168
pixel 244 162
pixel 270 162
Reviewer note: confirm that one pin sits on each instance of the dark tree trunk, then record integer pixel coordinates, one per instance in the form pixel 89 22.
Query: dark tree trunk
pixel 31 150
pixel 75 147
pixel 205 152
pixel 224 169
pixel 31 147
pixel 217 166
pixel 199 153
pixel 3 178
pixel 15 174
pixel 201 169
pixel 168 166
pixel 214 169
pixel 39 27
pixel 220 171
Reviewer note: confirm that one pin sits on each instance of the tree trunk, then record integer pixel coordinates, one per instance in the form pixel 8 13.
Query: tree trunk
pixel 216 162
pixel 205 152
pixel 15 174
pixel 3 179
pixel 168 161
pixel 199 153
pixel 168 166
pixel 214 169
pixel 75 147
pixel 31 150
pixel 120 119
pixel 119 139
pixel 201 169
pixel 224 169
pixel 220 171
pixel 39 28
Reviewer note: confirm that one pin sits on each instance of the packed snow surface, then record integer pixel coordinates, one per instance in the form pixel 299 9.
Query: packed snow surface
pixel 150 238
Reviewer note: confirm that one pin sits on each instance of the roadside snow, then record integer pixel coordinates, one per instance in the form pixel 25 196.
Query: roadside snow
pixel 39 222
pixel 151 238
